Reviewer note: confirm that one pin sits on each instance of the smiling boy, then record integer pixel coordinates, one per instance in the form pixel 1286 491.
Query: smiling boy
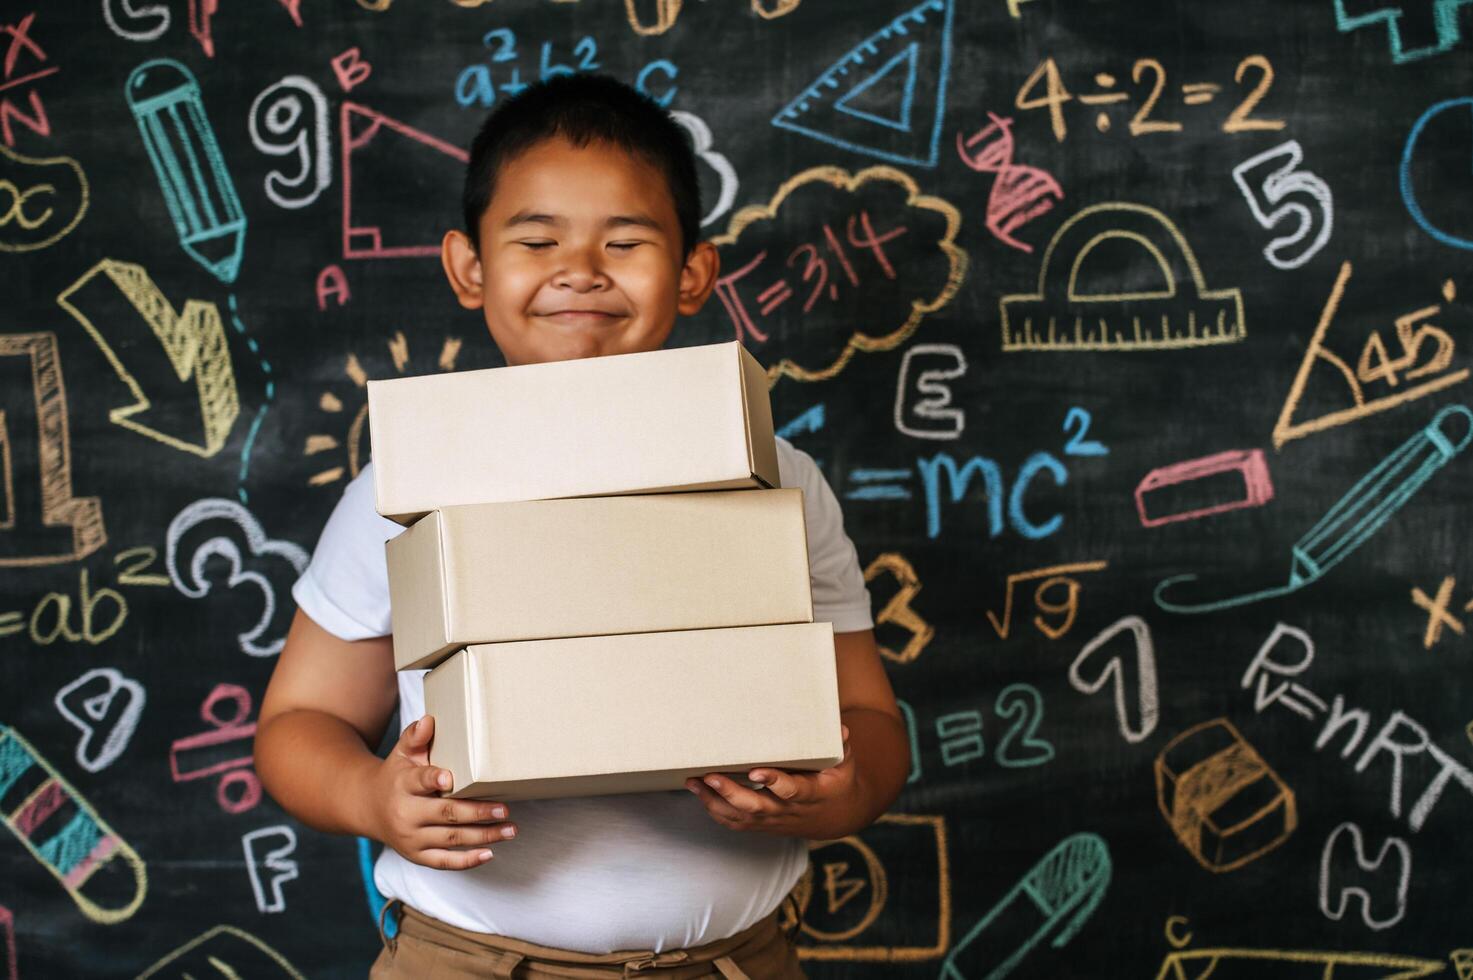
pixel 581 240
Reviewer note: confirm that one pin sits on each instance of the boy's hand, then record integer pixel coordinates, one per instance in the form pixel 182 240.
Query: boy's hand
pixel 791 804
pixel 409 815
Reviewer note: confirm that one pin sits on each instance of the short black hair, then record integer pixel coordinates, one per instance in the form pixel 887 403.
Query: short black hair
pixel 584 108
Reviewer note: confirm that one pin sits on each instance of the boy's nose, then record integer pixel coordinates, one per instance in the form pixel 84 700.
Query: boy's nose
pixel 581 271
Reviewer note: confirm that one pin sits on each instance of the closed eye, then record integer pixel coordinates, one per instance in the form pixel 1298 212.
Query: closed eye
pixel 626 246
pixel 537 245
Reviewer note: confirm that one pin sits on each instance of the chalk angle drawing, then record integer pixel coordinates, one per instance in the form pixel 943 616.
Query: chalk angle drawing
pixel 1356 516
pixel 855 106
pixel 1374 365
pixel 859 340
pixel 362 130
pixel 1058 317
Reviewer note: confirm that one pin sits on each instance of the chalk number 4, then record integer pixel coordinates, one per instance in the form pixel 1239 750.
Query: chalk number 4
pixel 1279 193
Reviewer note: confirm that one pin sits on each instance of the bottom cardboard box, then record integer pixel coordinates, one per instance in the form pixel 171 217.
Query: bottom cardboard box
pixel 633 712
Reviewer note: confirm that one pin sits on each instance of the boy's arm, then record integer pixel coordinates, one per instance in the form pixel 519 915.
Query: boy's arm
pixel 841 800
pixel 325 709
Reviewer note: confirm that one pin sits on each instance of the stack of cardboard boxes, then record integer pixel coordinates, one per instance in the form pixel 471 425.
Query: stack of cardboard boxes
pixel 592 626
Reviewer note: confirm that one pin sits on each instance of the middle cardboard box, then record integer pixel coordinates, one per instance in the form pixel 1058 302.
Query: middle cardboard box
pixel 594 566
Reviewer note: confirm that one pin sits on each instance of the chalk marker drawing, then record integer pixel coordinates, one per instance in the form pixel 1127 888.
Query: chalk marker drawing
pixel 1052 901
pixel 1180 312
pixel 1374 367
pixel 193 341
pixel 1369 875
pixel 1285 192
pixel 1444 22
pixel 46 524
pixel 1222 801
pixel 106 707
pixel 1188 503
pixel 166 103
pixel 365 131
pixel 1147 699
pixel 274 120
pixel 1408 156
pixel 1357 515
pixel 62 831
pixel 879 107
pixel 47 197
pixel 223 951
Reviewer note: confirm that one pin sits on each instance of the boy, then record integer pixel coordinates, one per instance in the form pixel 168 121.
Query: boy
pixel 582 219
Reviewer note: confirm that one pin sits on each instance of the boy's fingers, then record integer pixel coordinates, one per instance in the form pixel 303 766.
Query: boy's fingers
pixel 782 784
pixel 459 812
pixel 448 860
pixel 429 780
pixel 467 835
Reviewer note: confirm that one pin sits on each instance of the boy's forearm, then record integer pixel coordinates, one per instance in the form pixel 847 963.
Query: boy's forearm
pixel 881 753
pixel 316 766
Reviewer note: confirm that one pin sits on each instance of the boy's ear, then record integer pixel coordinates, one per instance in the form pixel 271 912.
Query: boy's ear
pixel 462 268
pixel 698 278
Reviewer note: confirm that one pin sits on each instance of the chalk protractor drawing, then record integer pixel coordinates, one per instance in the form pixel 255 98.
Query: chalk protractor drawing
pixel 887 96
pixel 1090 301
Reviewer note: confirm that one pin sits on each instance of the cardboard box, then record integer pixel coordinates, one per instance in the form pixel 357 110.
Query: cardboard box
pixel 635 712
pixel 692 418
pixel 541 569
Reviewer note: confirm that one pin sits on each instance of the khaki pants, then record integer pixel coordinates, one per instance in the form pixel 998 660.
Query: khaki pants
pixel 427 947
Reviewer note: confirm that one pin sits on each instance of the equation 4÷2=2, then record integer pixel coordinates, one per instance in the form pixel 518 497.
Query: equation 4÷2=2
pixel 1149 117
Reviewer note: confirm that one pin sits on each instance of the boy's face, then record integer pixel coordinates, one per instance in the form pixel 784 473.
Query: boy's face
pixel 580 256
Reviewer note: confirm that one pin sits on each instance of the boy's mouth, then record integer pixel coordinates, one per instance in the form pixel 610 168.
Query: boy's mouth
pixel 575 316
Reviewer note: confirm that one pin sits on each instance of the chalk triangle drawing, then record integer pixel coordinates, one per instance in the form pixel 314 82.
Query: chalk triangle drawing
pixel 381 152
pixel 902 104
pixel 845 106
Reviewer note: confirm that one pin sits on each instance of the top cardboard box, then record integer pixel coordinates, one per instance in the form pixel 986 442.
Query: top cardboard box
pixel 689 418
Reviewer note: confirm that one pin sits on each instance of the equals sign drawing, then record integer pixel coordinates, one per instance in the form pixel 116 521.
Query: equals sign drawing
pixel 879 485
pixel 1197 93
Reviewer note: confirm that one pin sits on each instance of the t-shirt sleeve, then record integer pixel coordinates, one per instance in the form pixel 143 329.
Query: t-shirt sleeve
pixel 345 588
pixel 839 593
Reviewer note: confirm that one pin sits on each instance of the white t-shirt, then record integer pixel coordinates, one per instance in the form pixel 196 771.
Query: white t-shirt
pixel 599 873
